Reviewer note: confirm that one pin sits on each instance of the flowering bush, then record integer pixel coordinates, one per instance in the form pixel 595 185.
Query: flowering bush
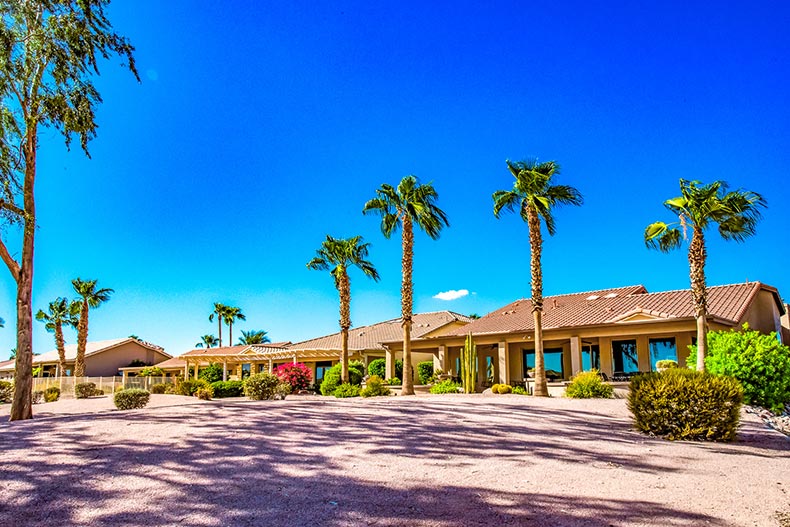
pixel 298 375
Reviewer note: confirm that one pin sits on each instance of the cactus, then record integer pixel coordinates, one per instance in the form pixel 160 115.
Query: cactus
pixel 469 365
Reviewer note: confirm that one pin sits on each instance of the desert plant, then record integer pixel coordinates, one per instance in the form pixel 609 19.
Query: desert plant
pixel 759 361
pixel 425 371
pixel 469 365
pixel 84 390
pixel 131 398
pixel 204 393
pixel 332 376
pixel 159 388
pixel 686 404
pixel 346 390
pixel 501 388
pixel 261 386
pixel 588 385
pixel 228 389
pixel 297 375
pixel 6 391
pixel 51 394
pixel 152 371
pixel 375 387
pixel 520 390
pixel 37 397
pixel 447 386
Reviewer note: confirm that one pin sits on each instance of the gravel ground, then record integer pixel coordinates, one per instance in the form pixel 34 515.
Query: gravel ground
pixel 422 461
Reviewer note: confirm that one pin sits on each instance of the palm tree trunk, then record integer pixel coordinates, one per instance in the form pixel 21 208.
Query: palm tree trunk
pixel 82 341
pixel 344 287
pixel 536 246
pixel 219 325
pixel 230 333
pixel 61 345
pixel 406 292
pixel 699 292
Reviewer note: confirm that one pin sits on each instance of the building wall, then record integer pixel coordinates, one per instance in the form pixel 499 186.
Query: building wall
pixel 107 362
pixel 763 314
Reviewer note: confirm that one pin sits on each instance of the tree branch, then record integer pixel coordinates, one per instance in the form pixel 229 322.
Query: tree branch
pixel 9 206
pixel 12 264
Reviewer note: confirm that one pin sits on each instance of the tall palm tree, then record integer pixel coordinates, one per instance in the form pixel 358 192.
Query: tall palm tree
pixel 253 337
pixel 336 255
pixel 61 312
pixel 91 298
pixel 534 196
pixel 698 207
pixel 409 204
pixel 208 341
pixel 219 311
pixel 231 315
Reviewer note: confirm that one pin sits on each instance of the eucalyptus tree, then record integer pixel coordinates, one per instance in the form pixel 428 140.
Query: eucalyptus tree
pixel 219 313
pixel 336 255
pixel 209 341
pixel 534 196
pixel 698 207
pixel 407 205
pixel 231 315
pixel 253 337
pixel 49 52
pixel 91 298
pixel 60 312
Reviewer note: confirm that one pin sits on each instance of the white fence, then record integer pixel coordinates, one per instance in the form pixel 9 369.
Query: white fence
pixel 108 385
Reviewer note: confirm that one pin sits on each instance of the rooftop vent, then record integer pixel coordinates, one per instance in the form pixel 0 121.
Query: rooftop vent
pixel 592 297
pixel 611 295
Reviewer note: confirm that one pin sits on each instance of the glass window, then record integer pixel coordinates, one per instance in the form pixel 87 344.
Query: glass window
pixel 320 370
pixel 458 366
pixel 552 358
pixel 490 369
pixel 624 356
pixel 245 370
pixel 591 357
pixel 662 349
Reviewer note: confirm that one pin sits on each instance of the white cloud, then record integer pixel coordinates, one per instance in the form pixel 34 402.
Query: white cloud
pixel 452 294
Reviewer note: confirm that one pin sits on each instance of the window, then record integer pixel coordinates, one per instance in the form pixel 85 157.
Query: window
pixel 662 349
pixel 320 370
pixel 490 369
pixel 624 356
pixel 458 367
pixel 245 370
pixel 591 357
pixel 552 358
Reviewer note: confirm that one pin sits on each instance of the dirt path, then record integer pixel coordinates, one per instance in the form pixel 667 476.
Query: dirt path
pixel 426 460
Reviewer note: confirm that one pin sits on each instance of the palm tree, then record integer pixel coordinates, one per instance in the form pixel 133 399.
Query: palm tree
pixel 336 255
pixel 61 312
pixel 219 311
pixel 409 204
pixel 231 315
pixel 207 340
pixel 91 298
pixel 534 196
pixel 698 206
pixel 253 337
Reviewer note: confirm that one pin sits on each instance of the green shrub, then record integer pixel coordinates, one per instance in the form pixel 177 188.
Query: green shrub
pixel 84 390
pixel 51 394
pixel 374 387
pixel 37 397
pixel 204 393
pixel 760 362
pixel 686 404
pixel 394 381
pixel 520 390
pixel 211 373
pixel 332 376
pixel 261 386
pixel 425 371
pixel 666 364
pixel 189 387
pixel 228 389
pixel 159 388
pixel 152 371
pixel 6 392
pixel 501 388
pixel 447 386
pixel 131 398
pixel 588 385
pixel 172 389
pixel 346 390
pixel 379 366
pixel 282 390
pixel 98 392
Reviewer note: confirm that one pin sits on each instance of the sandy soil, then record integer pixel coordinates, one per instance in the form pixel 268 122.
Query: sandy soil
pixel 425 461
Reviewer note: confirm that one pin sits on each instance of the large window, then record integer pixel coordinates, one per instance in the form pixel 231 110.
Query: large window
pixel 624 356
pixel 553 361
pixel 662 349
pixel 320 370
pixel 591 357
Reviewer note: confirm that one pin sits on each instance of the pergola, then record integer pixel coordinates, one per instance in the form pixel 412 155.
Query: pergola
pixel 255 356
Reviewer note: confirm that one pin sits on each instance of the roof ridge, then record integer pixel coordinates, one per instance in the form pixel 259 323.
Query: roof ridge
pixel 688 289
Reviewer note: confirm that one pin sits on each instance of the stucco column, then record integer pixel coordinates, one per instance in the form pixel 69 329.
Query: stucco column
pixel 270 365
pixel 389 365
pixel 440 359
pixel 605 346
pixel 576 355
pixel 504 363
pixel 294 358
pixel 643 352
pixel 224 370
pixel 197 367
pixel 186 369
pixel 123 377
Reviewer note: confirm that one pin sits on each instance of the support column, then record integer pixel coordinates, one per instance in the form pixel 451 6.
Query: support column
pixel 271 365
pixel 643 352
pixel 294 358
pixel 605 346
pixel 123 377
pixel 224 370
pixel 504 363
pixel 186 369
pixel 197 367
pixel 440 359
pixel 576 355
pixel 389 365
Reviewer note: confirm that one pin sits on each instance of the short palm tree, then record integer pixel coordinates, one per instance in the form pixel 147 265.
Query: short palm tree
pixel 231 315
pixel 91 298
pixel 698 207
pixel 409 204
pixel 535 196
pixel 219 312
pixel 208 341
pixel 336 255
pixel 253 337
pixel 61 312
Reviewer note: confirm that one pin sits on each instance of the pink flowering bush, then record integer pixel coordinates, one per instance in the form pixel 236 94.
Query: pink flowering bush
pixel 299 376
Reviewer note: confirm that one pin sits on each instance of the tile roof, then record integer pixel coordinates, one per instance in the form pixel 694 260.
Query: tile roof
pixel 728 303
pixel 91 348
pixel 371 337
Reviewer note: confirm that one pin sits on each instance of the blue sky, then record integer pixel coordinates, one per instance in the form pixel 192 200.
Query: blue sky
pixel 257 130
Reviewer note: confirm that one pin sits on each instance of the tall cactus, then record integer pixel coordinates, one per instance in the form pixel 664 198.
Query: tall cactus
pixel 469 365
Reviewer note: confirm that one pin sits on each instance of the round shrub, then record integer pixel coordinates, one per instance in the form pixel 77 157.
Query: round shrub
pixel 131 398
pixel 501 388
pixel 84 390
pixel 152 371
pixel 394 381
pixel 588 385
pixel 375 387
pixel 37 397
pixel 425 371
pixel 211 373
pixel 520 390
pixel 51 394
pixel 447 386
pixel 346 390
pixel 189 387
pixel 760 362
pixel 159 388
pixel 666 364
pixel 332 376
pixel 261 386
pixel 298 375
pixel 379 367
pixel 228 389
pixel 686 404
pixel 6 392
pixel 282 390
pixel 204 393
